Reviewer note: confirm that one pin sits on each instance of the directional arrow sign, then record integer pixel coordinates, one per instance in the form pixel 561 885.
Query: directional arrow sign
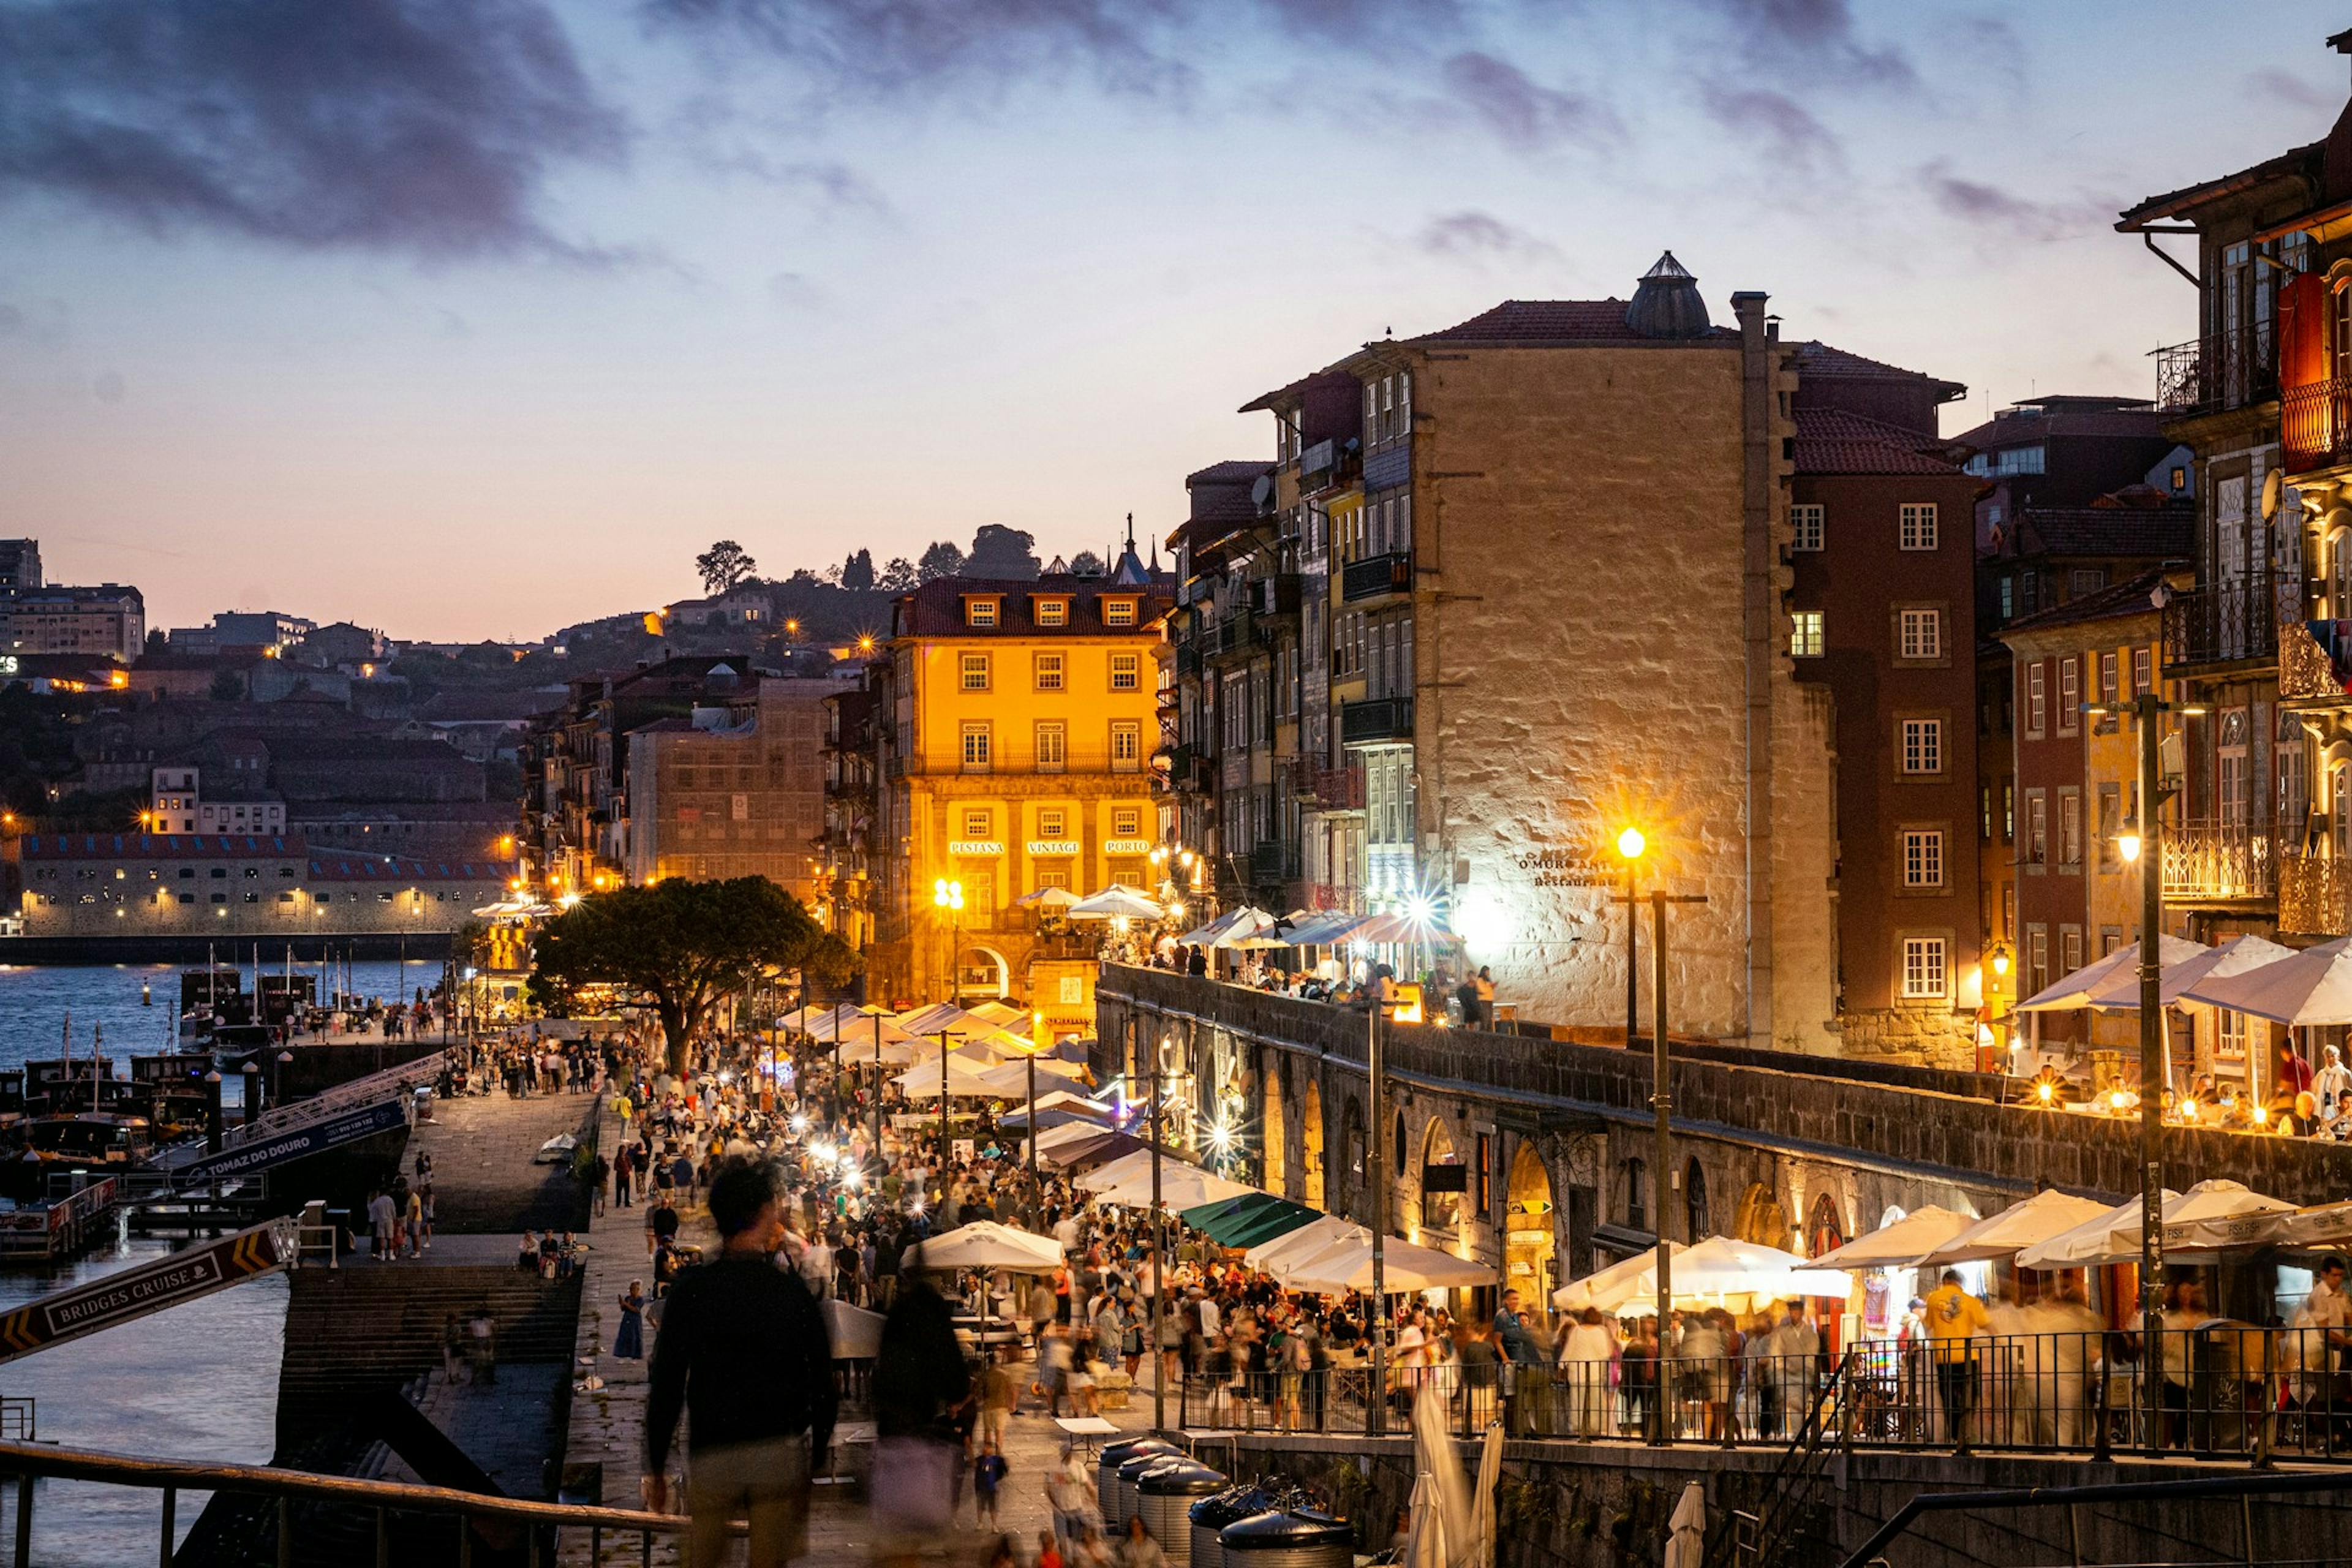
pixel 135 1292
pixel 348 1128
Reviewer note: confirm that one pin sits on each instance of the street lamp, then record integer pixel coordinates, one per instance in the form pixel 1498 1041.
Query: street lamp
pixel 1631 845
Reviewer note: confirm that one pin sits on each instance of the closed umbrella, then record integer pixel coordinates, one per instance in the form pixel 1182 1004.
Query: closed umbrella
pixel 2022 1224
pixel 2311 987
pixel 1439 1532
pixel 1484 1523
pixel 1687 1540
pixel 1900 1245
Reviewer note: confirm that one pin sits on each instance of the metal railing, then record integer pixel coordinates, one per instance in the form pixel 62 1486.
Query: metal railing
pixel 506 1518
pixel 2227 1391
pixel 2220 860
pixel 2226 370
pixel 1377 718
pixel 2314 895
pixel 2316 424
pixel 1376 576
pixel 2221 624
pixel 317 1108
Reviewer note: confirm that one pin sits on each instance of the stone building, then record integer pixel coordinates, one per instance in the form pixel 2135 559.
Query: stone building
pixel 109 619
pixel 733 790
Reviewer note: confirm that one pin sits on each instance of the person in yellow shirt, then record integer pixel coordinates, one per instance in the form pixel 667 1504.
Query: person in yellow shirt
pixel 1953 1318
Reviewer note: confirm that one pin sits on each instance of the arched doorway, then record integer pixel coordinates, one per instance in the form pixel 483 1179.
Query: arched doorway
pixel 1530 1243
pixel 1441 1179
pixel 1272 1165
pixel 1353 1151
pixel 1310 1145
pixel 983 972
pixel 1824 1227
pixel 1700 1217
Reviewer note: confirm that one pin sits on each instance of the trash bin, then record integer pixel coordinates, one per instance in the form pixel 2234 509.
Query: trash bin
pixel 1213 1513
pixel 1123 1493
pixel 1166 1495
pixel 1107 1466
pixel 1289 1539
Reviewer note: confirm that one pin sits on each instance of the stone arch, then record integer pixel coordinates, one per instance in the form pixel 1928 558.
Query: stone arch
pixel 1696 1215
pixel 1761 1218
pixel 1356 1158
pixel 1439 1210
pixel 1824 1226
pixel 1274 1166
pixel 1531 1232
pixel 1310 1145
pixel 993 975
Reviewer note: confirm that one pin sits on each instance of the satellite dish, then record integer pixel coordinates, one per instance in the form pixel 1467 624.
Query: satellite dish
pixel 2273 490
pixel 1262 492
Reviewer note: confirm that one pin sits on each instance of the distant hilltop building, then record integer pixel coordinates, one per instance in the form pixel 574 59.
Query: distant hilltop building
pixel 37 618
pixel 266 631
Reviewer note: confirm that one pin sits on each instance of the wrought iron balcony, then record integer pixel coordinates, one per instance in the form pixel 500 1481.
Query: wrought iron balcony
pixel 1381 719
pixel 1276 595
pixel 1376 576
pixel 2315 896
pixel 2315 661
pixel 1267 861
pixel 2226 622
pixel 2227 370
pixel 1333 789
pixel 2219 862
pixel 1236 634
pixel 2315 424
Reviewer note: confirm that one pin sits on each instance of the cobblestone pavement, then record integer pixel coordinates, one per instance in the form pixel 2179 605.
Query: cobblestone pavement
pixel 483 1179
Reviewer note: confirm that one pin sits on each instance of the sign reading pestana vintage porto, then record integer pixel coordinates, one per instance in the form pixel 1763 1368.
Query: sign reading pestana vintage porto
pixel 348 1128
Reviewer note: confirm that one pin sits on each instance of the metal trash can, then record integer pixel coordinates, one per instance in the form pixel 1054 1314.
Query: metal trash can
pixel 1289 1539
pixel 1166 1495
pixel 1107 1466
pixel 1212 1514
pixel 1123 1493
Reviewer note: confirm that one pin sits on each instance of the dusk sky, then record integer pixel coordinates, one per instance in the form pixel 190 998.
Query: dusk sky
pixel 467 318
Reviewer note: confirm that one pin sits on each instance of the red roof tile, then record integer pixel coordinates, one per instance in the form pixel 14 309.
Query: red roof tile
pixel 937 608
pixel 1554 322
pixel 1830 441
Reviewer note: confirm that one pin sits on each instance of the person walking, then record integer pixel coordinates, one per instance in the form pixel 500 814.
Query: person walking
pixel 744 1355
pixel 920 1388
pixel 629 1344
pixel 600 1179
pixel 987 1475
pixel 1953 1318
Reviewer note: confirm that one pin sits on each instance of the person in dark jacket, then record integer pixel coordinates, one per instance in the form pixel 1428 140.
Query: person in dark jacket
pixel 743 1351
pixel 922 1395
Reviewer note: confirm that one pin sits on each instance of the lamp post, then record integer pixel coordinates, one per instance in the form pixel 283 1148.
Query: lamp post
pixel 1630 848
pixel 1037 1043
pixel 1375 1171
pixel 948 895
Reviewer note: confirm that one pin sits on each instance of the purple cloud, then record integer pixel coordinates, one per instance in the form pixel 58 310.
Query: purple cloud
pixel 2001 211
pixel 1523 111
pixel 1784 126
pixel 1470 233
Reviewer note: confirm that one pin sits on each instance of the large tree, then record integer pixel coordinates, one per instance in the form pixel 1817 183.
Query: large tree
pixel 1001 551
pixel 723 566
pixel 941 560
pixel 682 948
pixel 858 571
pixel 899 577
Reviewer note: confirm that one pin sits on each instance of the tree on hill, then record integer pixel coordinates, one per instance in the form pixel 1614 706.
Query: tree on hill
pixel 723 566
pixel 1003 552
pixel 683 948
pixel 1086 563
pixel 858 571
pixel 941 560
pixel 899 577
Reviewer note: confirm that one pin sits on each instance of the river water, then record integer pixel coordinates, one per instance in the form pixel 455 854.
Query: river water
pixel 196 1382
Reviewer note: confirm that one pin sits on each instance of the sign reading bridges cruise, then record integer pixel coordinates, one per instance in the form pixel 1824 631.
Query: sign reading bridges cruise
pixel 138 1290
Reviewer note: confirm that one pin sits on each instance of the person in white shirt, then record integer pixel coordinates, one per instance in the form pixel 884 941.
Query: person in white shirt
pixel 382 1218
pixel 2330 1082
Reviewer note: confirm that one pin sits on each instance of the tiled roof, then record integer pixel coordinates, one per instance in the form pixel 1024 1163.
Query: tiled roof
pixel 1232 471
pixel 2171 203
pixel 2027 425
pixel 2115 602
pixel 157 846
pixel 937 608
pixel 2156 534
pixel 1551 322
pixel 1830 441
pixel 330 866
pixel 1828 361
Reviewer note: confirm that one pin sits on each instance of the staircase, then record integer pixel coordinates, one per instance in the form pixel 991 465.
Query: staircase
pixel 1794 1521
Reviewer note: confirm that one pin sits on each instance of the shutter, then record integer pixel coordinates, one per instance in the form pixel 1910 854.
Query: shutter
pixel 2303 425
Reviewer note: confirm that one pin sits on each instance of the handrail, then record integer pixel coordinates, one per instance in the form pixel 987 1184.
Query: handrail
pixel 304 1112
pixel 28 1461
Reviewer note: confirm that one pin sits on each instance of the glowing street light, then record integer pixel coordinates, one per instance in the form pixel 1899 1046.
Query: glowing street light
pixel 1631 844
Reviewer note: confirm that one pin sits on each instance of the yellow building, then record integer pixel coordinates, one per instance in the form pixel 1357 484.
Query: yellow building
pixel 1015 724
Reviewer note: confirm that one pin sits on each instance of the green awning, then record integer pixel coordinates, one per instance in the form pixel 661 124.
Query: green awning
pixel 1249 1219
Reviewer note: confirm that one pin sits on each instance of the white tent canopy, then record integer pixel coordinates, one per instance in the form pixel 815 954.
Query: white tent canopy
pixel 2019 1225
pixel 998 1013
pixel 1011 1079
pixel 2075 990
pixel 1115 904
pixel 1240 922
pixel 2234 957
pixel 2192 1220
pixel 1182 1187
pixel 922 1080
pixel 1721 1272
pixel 985 1244
pixel 1348 1266
pixel 2310 987
pixel 1605 1288
pixel 1900 1245
pixel 1314 1236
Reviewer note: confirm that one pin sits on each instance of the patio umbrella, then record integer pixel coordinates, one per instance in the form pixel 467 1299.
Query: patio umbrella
pixel 1325 929
pixel 945 1018
pixel 1484 1504
pixel 2322 1224
pixel 985 1244
pixel 1348 1266
pixel 1100 1148
pixel 1115 904
pixel 2234 957
pixel 1228 1218
pixel 1606 1287
pixel 1209 932
pixel 1047 898
pixel 1182 1187
pixel 921 1082
pixel 856 1333
pixel 1062 1106
pixel 1687 1540
pixel 1011 1078
pixel 2075 990
pixel 2113 1236
pixel 1439 1510
pixel 1305 1242
pixel 1900 1245
pixel 998 1013
pixel 2022 1224
pixel 1743 1275
pixel 2311 987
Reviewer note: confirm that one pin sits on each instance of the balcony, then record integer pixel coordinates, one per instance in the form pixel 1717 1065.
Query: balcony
pixel 1265 862
pixel 1331 789
pixel 2229 623
pixel 1239 633
pixel 1376 577
pixel 2228 370
pixel 1381 719
pixel 1188 658
pixel 2315 424
pixel 2219 862
pixel 1276 595
pixel 2315 661
pixel 2315 896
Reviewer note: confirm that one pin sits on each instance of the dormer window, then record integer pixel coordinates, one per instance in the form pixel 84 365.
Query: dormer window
pixel 1118 612
pixel 1053 612
pixel 980 612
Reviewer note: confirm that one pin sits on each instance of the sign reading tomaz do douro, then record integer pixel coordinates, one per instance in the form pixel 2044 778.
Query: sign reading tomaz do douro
pixel 260 1156
pixel 135 1292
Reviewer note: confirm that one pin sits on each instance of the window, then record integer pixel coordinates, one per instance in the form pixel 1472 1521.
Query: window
pixel 2070 695
pixel 2111 817
pixel 1923 858
pixel 2070 948
pixel 2037 962
pixel 2070 832
pixel 975 672
pixel 1923 968
pixel 1126 822
pixel 1118 612
pixel 2143 678
pixel 2008 601
pixel 1984 811
pixel 2037 828
pixel 1126 747
pixel 1053 613
pixel 1126 671
pixel 1806 522
pixel 1052 821
pixel 2230 1043
pixel 975 747
pixel 1923 745
pixel 1637 1194
pixel 2035 703
pixel 975 824
pixel 1053 747
pixel 2085 580
pixel 1049 672
pixel 1805 634
pixel 1918 530
pixel 1923 633
pixel 980 613
pixel 2110 676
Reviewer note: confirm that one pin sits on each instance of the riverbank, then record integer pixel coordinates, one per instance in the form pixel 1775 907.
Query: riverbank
pixel 225 947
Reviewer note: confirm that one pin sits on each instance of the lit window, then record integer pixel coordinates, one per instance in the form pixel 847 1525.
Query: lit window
pixel 1923 745
pixel 1051 823
pixel 1126 671
pixel 1053 747
pixel 1805 634
pixel 2035 699
pixel 1053 612
pixel 1923 967
pixel 2070 695
pixel 1918 530
pixel 1126 822
pixel 1806 521
pixel 1126 747
pixel 1923 633
pixel 981 612
pixel 2143 675
pixel 1118 612
pixel 1923 858
pixel 975 747
pixel 975 672
pixel 1049 672
pixel 975 824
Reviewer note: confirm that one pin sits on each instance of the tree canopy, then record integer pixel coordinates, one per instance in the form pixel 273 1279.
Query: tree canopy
pixel 684 947
pixel 1001 551
pixel 723 566
pixel 941 560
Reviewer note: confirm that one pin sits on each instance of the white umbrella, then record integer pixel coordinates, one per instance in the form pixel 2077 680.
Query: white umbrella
pixel 921 1081
pixel 985 1244
pixel 1305 1242
pixel 1744 1275
pixel 2075 990
pixel 1606 1287
pixel 1686 1542
pixel 856 1333
pixel 1209 934
pixel 2113 1236
pixel 1047 898
pixel 1348 1266
pixel 2234 957
pixel 945 1018
pixel 2322 1224
pixel 1011 1079
pixel 998 1013
pixel 2312 987
pixel 2044 1215
pixel 1182 1187
pixel 1115 904
pixel 1322 930
pixel 1439 1510
pixel 1900 1245
pixel 1483 1524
